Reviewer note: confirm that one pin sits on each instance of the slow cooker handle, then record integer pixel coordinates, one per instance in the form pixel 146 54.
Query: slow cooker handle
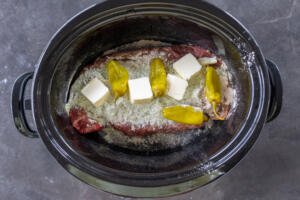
pixel 276 91
pixel 19 105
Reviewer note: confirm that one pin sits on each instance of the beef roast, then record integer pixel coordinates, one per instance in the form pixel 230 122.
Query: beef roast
pixel 84 124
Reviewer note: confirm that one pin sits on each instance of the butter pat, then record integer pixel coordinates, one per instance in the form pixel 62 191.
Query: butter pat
pixel 187 66
pixel 140 90
pixel 176 87
pixel 96 92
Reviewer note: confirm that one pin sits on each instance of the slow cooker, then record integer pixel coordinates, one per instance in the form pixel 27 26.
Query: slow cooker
pixel 146 174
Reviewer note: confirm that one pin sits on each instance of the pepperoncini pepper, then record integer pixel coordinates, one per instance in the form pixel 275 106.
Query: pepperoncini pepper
pixel 213 89
pixel 158 77
pixel 118 78
pixel 184 115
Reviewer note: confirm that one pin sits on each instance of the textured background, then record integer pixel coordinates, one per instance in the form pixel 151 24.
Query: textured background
pixel 271 170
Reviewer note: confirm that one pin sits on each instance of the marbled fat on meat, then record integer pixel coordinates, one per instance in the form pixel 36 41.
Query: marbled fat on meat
pixel 82 123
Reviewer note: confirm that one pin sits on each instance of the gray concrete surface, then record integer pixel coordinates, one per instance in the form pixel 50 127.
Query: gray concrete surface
pixel 271 170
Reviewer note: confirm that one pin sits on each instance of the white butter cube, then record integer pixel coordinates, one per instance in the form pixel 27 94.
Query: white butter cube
pixel 140 90
pixel 187 66
pixel 96 92
pixel 208 60
pixel 176 87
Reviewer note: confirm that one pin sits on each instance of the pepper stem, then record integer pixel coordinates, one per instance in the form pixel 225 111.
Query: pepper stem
pixel 214 104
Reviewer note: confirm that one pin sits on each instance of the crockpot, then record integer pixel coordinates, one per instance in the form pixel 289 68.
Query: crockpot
pixel 146 174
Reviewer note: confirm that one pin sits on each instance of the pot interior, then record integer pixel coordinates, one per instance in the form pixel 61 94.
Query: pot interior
pixel 88 45
pixel 87 40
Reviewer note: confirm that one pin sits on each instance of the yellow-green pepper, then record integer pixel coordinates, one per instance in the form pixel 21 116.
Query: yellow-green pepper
pixel 213 89
pixel 118 78
pixel 158 77
pixel 184 115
